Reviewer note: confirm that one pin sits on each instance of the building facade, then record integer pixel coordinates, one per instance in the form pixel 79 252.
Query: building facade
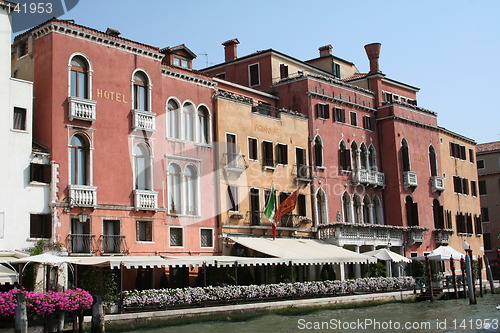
pixel 488 168
pixel 25 173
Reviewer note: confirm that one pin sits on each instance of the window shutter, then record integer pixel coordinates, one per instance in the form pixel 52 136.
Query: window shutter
pixel 406 158
pixel 347 157
pixel 441 216
pixel 318 110
pixel 327 111
pixel 414 214
pixel 46 173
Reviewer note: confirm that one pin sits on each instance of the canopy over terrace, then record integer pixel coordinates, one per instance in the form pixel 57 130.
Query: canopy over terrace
pixel 443 253
pixel 303 251
pixel 8 275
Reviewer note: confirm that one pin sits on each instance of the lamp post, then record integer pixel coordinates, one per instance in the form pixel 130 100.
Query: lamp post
pixel 472 298
pixel 83 216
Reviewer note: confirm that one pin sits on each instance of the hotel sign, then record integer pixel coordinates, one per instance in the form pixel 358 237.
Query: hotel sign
pixel 111 95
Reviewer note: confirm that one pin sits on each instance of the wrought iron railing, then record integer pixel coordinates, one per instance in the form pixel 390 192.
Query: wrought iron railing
pixel 81 243
pixel 113 244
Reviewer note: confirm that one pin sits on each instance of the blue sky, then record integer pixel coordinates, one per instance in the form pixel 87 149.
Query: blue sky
pixel 449 49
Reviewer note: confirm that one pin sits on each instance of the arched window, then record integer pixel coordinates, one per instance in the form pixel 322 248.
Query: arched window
pixel 347 207
pixel 173 119
pixel 438 213
pixel 79 77
pixel 355 155
pixel 191 180
pixel 433 161
pixel 79 151
pixel 358 209
pixel 367 210
pixel 141 91
pixel 378 212
pixel 188 121
pixel 321 208
pixel 344 157
pixel 411 212
pixel 203 125
pixel 318 151
pixel 174 189
pixel 373 158
pixel 142 162
pixel 405 154
pixel 364 157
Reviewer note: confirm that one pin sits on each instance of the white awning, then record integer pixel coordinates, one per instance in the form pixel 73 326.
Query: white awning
pixel 126 261
pixel 302 251
pixel 7 275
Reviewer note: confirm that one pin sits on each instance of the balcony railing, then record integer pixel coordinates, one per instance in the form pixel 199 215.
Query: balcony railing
pixel 410 179
pixel 437 184
pixel 145 200
pixel 268 163
pixel 442 236
pixel 113 244
pixel 362 234
pixel 234 163
pixel 143 120
pixel 416 235
pixel 369 177
pixel 80 243
pixel 84 196
pixel 290 221
pixel 81 108
pixel 266 110
pixel 303 173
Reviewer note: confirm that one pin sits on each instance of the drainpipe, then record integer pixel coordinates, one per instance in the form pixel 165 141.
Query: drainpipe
pixel 313 186
pixel 215 161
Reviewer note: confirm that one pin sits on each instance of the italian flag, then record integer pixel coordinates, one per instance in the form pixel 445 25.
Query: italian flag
pixel 270 210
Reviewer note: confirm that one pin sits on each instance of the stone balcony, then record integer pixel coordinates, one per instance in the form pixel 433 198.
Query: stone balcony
pixel 369 177
pixel 416 234
pixel 83 195
pixel 145 200
pixel 437 184
pixel 410 179
pixel 302 173
pixel 81 109
pixel 143 121
pixel 361 234
pixel 442 236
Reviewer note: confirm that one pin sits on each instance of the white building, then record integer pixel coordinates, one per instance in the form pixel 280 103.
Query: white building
pixel 25 168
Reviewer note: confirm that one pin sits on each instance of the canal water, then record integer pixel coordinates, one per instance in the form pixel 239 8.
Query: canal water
pixel 439 316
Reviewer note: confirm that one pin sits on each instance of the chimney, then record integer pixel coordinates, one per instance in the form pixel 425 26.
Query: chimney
pixel 373 53
pixel 325 51
pixel 230 47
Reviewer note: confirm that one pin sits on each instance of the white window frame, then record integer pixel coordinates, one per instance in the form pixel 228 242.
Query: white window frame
pixel 149 106
pixel 213 238
pixel 152 241
pixel 198 126
pixel 185 192
pixel 257 152
pixel 281 144
pixel 178 113
pixel 183 237
pixel 89 73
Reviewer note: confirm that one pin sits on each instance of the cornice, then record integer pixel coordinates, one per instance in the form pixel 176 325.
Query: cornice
pixel 341 101
pixel 188 78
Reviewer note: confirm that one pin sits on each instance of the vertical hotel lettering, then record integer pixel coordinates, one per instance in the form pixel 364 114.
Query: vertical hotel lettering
pixel 111 95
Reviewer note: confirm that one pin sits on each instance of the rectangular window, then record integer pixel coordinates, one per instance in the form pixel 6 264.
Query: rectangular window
pixel 176 237
pixel 477 225
pixel 482 187
pixel 471 155
pixel 206 238
pixel 252 149
pixel 19 119
pixel 480 164
pixel 322 111
pixel 282 153
pixel 449 220
pixel 283 71
pixel 254 75
pixel 340 115
pixel 487 241
pixel 144 231
pixel 233 202
pixel 177 61
pixel 354 119
pixel 368 123
pixel 473 188
pixel 40 173
pixel 40 226
pixel 267 154
pixel 184 63
pixel 485 214
pixel 301 205
pixel 457 184
pixel 336 70
pixel 465 186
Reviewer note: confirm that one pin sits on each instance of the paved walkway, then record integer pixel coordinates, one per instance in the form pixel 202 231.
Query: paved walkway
pixel 139 319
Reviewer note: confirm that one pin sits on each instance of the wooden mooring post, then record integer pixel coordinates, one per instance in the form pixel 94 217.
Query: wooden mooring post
pixel 21 319
pixel 97 315
pixel 489 274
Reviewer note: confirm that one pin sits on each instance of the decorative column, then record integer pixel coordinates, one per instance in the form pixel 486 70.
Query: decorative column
pixel 357 267
pixel 361 212
pixel 371 212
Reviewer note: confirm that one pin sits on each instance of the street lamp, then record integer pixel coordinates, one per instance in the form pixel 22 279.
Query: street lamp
pixel 83 216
